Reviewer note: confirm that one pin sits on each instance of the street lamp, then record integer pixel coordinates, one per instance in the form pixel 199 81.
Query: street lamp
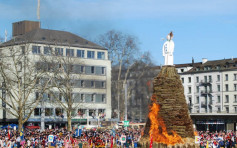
pixel 3 102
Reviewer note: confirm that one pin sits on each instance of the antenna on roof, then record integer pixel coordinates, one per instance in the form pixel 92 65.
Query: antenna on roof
pixel 5 35
pixel 38 10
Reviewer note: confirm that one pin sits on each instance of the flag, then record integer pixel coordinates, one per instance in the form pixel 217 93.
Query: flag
pixel 207 145
pixel 111 141
pixel 151 141
pixel 22 134
pixel 9 136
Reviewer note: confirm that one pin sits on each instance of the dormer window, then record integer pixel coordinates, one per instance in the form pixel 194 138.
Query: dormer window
pixel 198 69
pixel 218 67
pixel 205 68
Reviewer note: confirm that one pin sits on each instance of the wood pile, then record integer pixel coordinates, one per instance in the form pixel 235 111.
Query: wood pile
pixel 169 92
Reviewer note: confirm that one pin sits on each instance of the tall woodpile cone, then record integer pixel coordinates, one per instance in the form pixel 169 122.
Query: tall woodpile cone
pixel 169 93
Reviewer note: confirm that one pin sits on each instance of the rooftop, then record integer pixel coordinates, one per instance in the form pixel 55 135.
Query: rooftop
pixel 215 65
pixel 52 37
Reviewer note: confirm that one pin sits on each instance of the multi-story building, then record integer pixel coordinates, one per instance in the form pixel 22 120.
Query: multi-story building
pixel 91 70
pixel 210 89
pixel 139 90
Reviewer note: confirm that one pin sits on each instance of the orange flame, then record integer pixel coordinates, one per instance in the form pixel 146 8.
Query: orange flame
pixel 158 128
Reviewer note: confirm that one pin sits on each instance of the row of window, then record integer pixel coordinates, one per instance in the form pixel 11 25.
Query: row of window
pixel 218 67
pixel 76 97
pixel 218 100
pixel 69 52
pixel 218 109
pixel 209 78
pixel 208 89
pixel 75 83
pixel 75 113
pixel 70 68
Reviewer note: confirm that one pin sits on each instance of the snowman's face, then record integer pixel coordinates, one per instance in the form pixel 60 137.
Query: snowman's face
pixel 168 37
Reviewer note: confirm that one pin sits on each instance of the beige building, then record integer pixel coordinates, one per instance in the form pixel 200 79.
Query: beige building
pixel 210 89
pixel 91 73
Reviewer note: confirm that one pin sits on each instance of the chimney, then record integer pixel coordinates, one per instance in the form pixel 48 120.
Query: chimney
pixel 22 27
pixel 204 60
pixel 192 61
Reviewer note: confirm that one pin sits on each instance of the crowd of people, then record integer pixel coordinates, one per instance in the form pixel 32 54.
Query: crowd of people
pixel 220 139
pixel 78 138
pixel 98 138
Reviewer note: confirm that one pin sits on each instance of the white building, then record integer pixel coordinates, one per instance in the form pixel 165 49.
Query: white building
pixel 90 64
pixel 210 89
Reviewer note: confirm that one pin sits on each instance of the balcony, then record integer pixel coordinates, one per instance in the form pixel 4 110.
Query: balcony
pixel 206 92
pixel 205 83
pixel 203 104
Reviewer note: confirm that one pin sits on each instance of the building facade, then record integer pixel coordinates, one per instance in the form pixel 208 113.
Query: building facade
pixel 90 73
pixel 210 91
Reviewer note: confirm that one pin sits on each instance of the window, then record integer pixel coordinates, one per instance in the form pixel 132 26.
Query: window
pixel 197 100
pixel 101 55
pixel 210 88
pixel 37 112
pixel 59 51
pixel 90 54
pixel 92 112
pixel 235 87
pixel 70 52
pixel 218 99
pixel 80 53
pixel 82 69
pixel 218 109
pixel 235 76
pixel 103 98
pixel 47 50
pixel 48 111
pixel 197 79
pixel 218 88
pixel 103 70
pixel 189 90
pixel 226 87
pixel 36 95
pixel 58 111
pixel 226 98
pixel 235 109
pixel 36 49
pixel 23 51
pixel 182 80
pixel 210 79
pixel 182 70
pixel 226 77
pixel 227 109
pixel 82 97
pixel 92 69
pixel 197 88
pixel 218 67
pixel 92 84
pixel 103 84
pixel 235 98
pixel 93 98
pixel 205 79
pixel 189 79
pixel 218 78
pixel 82 83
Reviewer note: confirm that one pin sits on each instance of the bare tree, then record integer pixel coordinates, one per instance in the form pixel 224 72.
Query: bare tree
pixel 124 53
pixel 66 72
pixel 20 81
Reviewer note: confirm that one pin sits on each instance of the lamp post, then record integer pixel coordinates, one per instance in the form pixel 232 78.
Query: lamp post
pixel 3 102
pixel 125 85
